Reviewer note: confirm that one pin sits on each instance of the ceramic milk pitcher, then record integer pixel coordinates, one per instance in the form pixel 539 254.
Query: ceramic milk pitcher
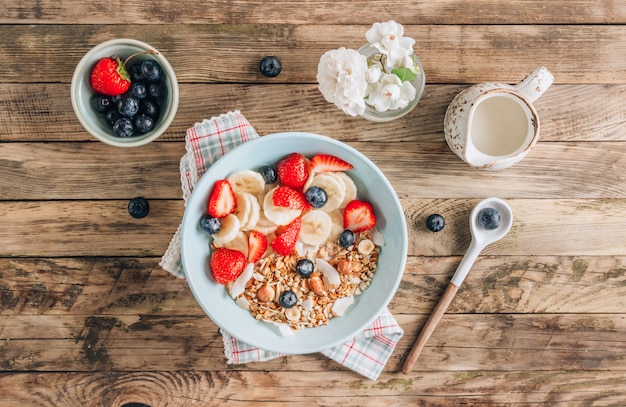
pixel 494 125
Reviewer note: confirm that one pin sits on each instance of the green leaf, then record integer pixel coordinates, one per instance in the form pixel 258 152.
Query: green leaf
pixel 405 74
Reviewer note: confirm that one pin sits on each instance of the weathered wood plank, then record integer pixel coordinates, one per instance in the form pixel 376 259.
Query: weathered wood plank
pixel 130 287
pixel 35 112
pixel 231 53
pixel 313 12
pixel 104 228
pixel 242 388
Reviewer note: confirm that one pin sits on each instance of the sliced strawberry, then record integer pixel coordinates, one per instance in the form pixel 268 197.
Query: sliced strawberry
pixel 358 216
pixel 293 170
pixel 109 77
pixel 329 163
pixel 257 244
pixel 226 264
pixel 285 242
pixel 222 200
pixel 287 197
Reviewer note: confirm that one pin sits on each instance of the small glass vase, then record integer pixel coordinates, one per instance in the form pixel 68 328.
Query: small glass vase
pixel 419 82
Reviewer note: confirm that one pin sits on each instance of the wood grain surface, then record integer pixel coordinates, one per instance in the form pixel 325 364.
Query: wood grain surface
pixel 89 318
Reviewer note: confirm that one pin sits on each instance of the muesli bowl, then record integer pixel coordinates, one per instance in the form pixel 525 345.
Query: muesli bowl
pixel 214 298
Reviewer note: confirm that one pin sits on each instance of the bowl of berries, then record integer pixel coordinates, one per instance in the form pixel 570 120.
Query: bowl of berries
pixel 293 242
pixel 124 92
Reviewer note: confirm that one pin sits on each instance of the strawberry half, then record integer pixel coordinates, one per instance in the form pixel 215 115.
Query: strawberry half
pixel 222 200
pixel 293 170
pixel 285 242
pixel 329 163
pixel 109 77
pixel 287 197
pixel 226 264
pixel 358 216
pixel 257 244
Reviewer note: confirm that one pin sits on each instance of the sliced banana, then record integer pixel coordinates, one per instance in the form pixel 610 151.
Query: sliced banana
pixel 228 231
pixel 247 181
pixel 265 225
pixel 276 214
pixel 240 242
pixel 316 227
pixel 244 208
pixel 336 218
pixel 255 212
pixel 334 188
pixel 350 187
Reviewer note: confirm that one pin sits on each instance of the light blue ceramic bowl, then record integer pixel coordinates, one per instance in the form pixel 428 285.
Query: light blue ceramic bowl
pixel 372 186
pixel 81 92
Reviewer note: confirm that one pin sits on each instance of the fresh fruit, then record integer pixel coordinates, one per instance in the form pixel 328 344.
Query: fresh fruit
pixel 109 77
pixel 285 242
pixel 346 239
pixel 286 197
pixel 101 103
pixel 270 66
pixel 280 216
pixel 435 222
pixel 156 90
pixel 334 188
pixel 209 224
pixel 350 187
pixel 305 267
pixel 268 173
pixel 358 216
pixel 128 106
pixel 226 264
pixel 151 70
pixel 293 171
pixel 316 196
pixel 123 127
pixel 489 218
pixel 149 108
pixel 222 199
pixel 143 123
pixel 329 163
pixel 248 210
pixel 138 207
pixel 257 244
pixel 316 226
pixel 239 243
pixel 247 181
pixel 138 90
pixel 287 299
pixel 229 229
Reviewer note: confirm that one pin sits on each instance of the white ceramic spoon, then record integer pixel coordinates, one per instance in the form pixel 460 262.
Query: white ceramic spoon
pixel 481 238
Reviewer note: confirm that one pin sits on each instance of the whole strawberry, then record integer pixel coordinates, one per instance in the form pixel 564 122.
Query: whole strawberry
pixel 109 77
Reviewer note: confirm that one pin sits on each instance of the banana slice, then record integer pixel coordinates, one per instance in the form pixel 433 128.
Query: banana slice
pixel 247 181
pixel 240 242
pixel 335 190
pixel 350 187
pixel 276 214
pixel 228 231
pixel 255 212
pixel 265 225
pixel 316 227
pixel 336 218
pixel 244 208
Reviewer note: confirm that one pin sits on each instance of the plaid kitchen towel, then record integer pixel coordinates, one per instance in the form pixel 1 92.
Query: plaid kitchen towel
pixel 367 353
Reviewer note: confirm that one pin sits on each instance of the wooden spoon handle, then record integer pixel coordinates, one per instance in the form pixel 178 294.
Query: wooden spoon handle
pixel 429 327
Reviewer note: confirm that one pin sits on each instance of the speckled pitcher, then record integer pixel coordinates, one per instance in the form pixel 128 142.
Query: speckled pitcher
pixel 494 125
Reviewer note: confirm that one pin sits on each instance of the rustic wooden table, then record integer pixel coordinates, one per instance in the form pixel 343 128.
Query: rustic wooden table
pixel 87 316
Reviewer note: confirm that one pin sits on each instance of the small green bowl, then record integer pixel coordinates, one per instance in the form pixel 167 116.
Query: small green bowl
pixel 81 92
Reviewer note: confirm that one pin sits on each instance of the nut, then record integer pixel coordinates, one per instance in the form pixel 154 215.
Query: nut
pixel 293 313
pixel 316 284
pixel 265 293
pixel 344 266
pixel 366 246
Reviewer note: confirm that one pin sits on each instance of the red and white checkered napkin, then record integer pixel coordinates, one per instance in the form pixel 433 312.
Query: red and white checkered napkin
pixel 367 353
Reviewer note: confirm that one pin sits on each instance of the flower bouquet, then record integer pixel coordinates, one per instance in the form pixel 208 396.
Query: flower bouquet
pixel 381 81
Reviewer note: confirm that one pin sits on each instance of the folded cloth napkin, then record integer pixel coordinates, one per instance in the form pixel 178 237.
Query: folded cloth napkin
pixel 367 353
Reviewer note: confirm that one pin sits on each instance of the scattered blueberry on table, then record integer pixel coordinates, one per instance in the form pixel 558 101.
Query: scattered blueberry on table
pixel 435 222
pixel 270 66
pixel 138 207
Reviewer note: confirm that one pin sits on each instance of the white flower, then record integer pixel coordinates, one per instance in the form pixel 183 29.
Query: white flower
pixel 388 38
pixel 341 78
pixel 390 93
pixel 372 75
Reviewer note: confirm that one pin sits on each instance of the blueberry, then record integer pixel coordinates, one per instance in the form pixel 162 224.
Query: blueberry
pixel 346 238
pixel 269 174
pixel 287 299
pixel 270 66
pixel 123 127
pixel 112 116
pixel 210 225
pixel 143 123
pixel 316 196
pixel 435 222
pixel 156 90
pixel 138 207
pixel 489 218
pixel 101 103
pixel 151 70
pixel 128 106
pixel 136 74
pixel 138 90
pixel 149 108
pixel 305 267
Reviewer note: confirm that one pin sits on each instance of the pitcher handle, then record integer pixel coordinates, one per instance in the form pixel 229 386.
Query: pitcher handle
pixel 535 84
